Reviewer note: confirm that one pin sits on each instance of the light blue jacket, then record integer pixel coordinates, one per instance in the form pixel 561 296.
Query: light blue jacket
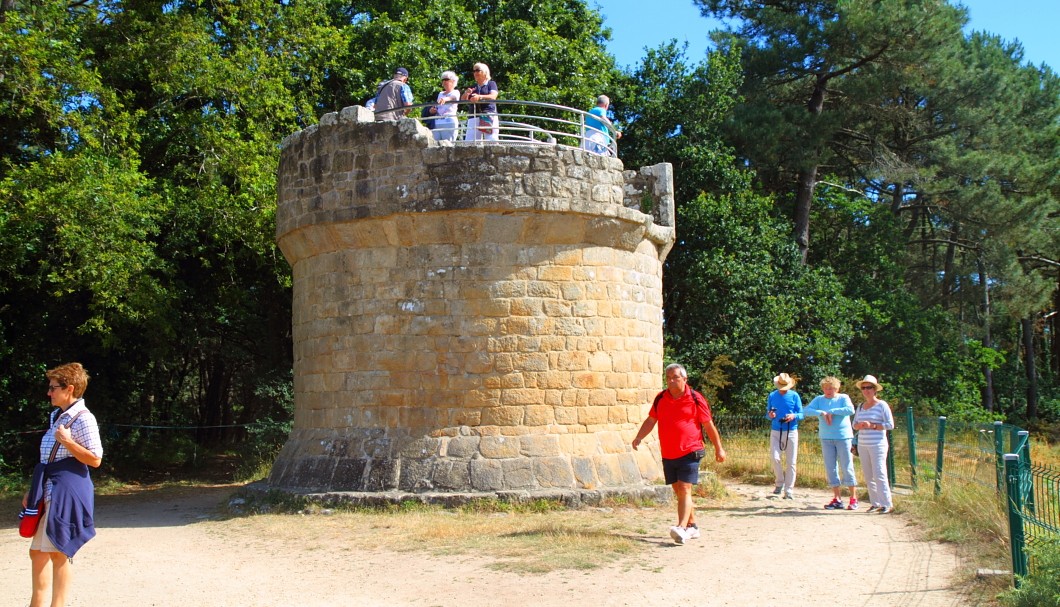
pixel 841 408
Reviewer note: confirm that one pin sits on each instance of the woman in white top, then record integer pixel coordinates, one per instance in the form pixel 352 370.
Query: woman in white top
pixel 872 421
pixel 445 124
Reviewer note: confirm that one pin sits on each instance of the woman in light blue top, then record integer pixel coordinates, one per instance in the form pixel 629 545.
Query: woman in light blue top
pixel 834 410
pixel 872 421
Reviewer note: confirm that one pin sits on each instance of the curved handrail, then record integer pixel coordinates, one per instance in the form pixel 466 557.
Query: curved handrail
pixel 538 122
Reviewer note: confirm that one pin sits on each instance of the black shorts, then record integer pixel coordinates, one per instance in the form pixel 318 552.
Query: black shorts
pixel 684 468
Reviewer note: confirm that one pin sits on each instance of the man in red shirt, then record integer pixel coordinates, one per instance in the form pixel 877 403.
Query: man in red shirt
pixel 682 414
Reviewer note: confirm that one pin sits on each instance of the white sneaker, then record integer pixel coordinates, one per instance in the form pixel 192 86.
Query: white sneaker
pixel 692 532
pixel 678 534
pixel 788 495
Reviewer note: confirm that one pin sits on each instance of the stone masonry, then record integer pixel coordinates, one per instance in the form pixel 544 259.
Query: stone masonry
pixel 468 317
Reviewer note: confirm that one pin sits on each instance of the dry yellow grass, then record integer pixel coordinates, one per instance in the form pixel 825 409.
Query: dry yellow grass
pixel 520 542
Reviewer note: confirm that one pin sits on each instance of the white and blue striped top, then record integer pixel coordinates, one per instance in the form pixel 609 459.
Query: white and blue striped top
pixel 880 413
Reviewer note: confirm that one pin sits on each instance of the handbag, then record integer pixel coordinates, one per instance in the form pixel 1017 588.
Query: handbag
pixel 29 518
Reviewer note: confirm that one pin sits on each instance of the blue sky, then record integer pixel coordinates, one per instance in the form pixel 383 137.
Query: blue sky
pixel 636 24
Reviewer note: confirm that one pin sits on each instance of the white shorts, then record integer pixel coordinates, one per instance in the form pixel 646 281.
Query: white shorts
pixel 41 541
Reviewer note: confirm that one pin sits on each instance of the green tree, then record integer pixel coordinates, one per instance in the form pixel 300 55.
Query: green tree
pixel 800 59
pixel 138 150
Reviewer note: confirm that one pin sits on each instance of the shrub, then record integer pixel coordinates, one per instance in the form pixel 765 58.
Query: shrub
pixel 1042 586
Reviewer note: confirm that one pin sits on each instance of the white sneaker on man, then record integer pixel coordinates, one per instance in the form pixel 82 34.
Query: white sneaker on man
pixel 692 532
pixel 678 534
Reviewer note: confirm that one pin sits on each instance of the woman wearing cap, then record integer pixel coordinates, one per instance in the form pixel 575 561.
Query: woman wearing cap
pixel 834 410
pixel 784 409
pixel 69 447
pixel 484 125
pixel 872 421
pixel 445 124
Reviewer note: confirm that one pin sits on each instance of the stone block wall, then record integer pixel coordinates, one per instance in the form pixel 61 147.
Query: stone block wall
pixel 468 317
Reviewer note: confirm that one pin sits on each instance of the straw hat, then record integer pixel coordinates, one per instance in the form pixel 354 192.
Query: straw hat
pixel 871 380
pixel 784 381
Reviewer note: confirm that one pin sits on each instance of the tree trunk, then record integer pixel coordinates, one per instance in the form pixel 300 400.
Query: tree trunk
pixel 1054 336
pixel 6 5
pixel 988 373
pixel 947 268
pixel 1030 367
pixel 808 175
pixel 803 202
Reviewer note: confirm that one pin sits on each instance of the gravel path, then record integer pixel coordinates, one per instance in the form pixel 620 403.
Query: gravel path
pixel 163 549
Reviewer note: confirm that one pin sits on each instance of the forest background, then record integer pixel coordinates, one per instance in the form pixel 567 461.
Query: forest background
pixel 861 188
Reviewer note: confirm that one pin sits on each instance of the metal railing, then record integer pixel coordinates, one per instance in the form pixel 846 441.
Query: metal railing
pixel 525 122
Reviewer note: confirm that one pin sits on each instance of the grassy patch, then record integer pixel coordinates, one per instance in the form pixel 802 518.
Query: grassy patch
pixel 522 538
pixel 967 516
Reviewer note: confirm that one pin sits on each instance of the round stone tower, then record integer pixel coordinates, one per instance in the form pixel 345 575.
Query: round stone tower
pixel 468 317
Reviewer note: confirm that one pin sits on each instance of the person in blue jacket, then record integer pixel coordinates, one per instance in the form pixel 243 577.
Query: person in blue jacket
pixel 784 410
pixel 834 410
pixel 69 447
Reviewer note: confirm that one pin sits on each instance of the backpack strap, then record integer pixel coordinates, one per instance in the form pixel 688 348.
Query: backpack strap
pixel 55 445
pixel 655 403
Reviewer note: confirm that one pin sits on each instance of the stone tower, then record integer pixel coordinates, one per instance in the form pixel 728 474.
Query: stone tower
pixel 469 317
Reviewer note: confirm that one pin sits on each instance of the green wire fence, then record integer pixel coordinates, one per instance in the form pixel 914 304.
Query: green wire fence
pixel 930 450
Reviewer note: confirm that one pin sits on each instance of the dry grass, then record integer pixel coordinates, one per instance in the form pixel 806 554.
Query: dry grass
pixel 529 540
pixel 969 517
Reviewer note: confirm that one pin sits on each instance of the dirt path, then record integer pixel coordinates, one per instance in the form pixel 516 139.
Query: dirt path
pixel 166 549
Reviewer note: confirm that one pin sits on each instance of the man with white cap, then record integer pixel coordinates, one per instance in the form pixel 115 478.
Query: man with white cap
pixel 784 410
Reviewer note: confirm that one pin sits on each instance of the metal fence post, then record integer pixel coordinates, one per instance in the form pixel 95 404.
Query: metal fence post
pixel 911 429
pixel 1027 486
pixel 940 449
pixel 1015 517
pixel 999 452
pixel 890 457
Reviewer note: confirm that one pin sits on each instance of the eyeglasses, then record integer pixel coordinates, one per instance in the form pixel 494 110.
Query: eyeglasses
pixel 868 387
pixel 52 388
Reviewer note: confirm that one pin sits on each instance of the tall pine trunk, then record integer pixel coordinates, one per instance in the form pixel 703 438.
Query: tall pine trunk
pixel 1030 367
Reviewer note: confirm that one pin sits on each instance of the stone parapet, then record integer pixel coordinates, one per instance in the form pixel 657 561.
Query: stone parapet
pixel 468 317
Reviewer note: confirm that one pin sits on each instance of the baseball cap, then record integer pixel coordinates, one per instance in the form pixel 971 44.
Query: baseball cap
pixel 401 72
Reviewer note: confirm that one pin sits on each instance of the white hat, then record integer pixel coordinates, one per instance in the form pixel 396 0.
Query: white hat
pixel 784 381
pixel 871 380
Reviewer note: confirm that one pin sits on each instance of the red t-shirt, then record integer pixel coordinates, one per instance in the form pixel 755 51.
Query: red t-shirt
pixel 680 421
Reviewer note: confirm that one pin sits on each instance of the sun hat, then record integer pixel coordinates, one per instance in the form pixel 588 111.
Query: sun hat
pixel 871 380
pixel 784 381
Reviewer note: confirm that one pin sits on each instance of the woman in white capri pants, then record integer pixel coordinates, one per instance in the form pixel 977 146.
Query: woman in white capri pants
pixel 872 421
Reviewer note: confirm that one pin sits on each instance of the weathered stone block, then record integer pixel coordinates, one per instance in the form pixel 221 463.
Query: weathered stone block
pixel 553 472
pixel 382 474
pixel 451 475
pixel 585 472
pixel 499 447
pixel 518 473
pixel 539 445
pixel 462 447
